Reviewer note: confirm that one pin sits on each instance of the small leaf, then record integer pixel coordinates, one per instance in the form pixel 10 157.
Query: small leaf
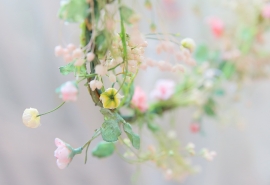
pixel 134 138
pixel 126 13
pixel 73 10
pixel 210 107
pixel 69 68
pixel 228 69
pixel 110 130
pixel 202 53
pixel 103 149
pixel 152 127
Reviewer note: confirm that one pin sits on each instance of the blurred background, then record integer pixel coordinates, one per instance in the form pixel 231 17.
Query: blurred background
pixel 29 76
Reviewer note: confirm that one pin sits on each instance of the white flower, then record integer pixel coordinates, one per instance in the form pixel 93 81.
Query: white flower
pixel 30 118
pixel 101 70
pixel 189 44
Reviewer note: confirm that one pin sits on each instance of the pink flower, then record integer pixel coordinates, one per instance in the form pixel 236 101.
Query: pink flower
pixel 194 127
pixel 164 89
pixel 139 99
pixel 266 11
pixel 62 153
pixel 69 91
pixel 216 25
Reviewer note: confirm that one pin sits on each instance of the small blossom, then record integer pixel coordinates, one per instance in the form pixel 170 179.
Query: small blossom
pixel 79 62
pixel 68 58
pixel 30 118
pixel 101 70
pixel 99 84
pixel 189 44
pixel 266 11
pixel 93 85
pixel 194 127
pixel 110 98
pixel 90 56
pixel 64 153
pixel 68 91
pixel 139 99
pixel 71 47
pixel 190 148
pixel 164 89
pixel 58 51
pixel 216 25
pixel 208 155
pixel 77 53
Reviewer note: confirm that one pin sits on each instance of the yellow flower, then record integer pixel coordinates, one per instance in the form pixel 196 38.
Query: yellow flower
pixel 30 118
pixel 110 98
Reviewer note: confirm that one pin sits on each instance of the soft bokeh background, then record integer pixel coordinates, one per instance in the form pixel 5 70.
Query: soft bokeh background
pixel 29 75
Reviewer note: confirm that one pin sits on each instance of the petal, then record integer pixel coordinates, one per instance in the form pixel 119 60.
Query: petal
pixel 59 142
pixel 61 165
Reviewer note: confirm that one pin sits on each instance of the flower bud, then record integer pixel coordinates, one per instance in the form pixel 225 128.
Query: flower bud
pixel 30 118
pixel 189 44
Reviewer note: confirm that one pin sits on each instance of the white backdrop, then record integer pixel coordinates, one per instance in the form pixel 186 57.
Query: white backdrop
pixel 28 77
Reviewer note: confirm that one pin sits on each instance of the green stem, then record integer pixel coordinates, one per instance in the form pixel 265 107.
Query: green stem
pixel 52 110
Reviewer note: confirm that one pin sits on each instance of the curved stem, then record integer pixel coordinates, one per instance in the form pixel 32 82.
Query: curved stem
pixel 52 110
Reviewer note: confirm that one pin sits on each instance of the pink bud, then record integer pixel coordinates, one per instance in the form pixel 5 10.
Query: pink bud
pixel 93 85
pixel 194 127
pixel 266 11
pixel 90 56
pixel 112 78
pixel 71 47
pixel 79 62
pixel 68 58
pixel 99 84
pixel 77 53
pixel 69 92
pixel 139 99
pixel 101 70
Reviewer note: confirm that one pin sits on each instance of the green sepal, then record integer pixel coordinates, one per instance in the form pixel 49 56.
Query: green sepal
pixel 103 149
pixel 110 130
pixel 134 138
pixel 73 10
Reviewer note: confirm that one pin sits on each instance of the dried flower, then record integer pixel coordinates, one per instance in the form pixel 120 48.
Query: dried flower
pixel 139 99
pixel 30 118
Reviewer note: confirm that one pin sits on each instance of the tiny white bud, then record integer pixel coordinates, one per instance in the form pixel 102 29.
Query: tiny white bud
pixel 99 84
pixel 189 44
pixel 93 85
pixel 30 118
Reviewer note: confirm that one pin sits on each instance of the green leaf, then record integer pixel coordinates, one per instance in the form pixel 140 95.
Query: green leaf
pixel 210 107
pixel 134 138
pixel 73 10
pixel 103 149
pixel 202 53
pixel 110 130
pixel 111 115
pixel 126 13
pixel 102 42
pixel 69 68
pixel 228 69
pixel 152 127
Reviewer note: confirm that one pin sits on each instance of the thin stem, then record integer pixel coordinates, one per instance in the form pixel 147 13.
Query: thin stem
pixel 52 110
pixel 116 66
pixel 162 39
pixel 172 34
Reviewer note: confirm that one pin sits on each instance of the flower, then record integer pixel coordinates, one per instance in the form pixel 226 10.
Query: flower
pixel 139 99
pixel 216 25
pixel 194 127
pixel 110 98
pixel 266 11
pixel 208 155
pixel 30 118
pixel 164 89
pixel 64 153
pixel 69 91
pixel 189 44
